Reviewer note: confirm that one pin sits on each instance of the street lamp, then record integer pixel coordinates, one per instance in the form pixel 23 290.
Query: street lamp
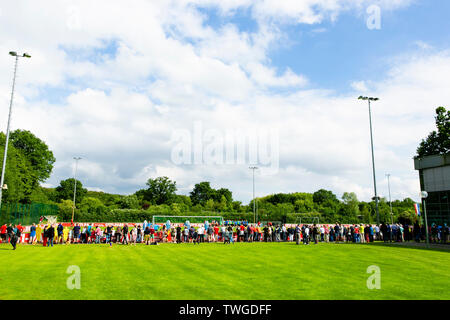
pixel 390 201
pixel 254 204
pixel 369 99
pixel 75 185
pixel 424 195
pixel 2 179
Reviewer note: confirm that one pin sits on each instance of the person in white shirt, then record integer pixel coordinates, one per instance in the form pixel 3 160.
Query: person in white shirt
pixel 201 231
pixel 306 239
pixel 322 234
pixel 284 232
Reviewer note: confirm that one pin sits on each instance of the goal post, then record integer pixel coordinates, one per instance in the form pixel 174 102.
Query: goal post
pixel 191 219
pixel 307 220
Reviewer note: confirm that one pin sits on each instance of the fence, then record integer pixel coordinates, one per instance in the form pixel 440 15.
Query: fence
pixel 25 214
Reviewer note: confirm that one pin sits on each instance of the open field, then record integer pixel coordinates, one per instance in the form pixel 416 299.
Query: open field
pixel 278 271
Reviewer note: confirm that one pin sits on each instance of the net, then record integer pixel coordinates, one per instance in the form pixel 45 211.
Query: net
pixel 25 214
pixel 191 219
pixel 307 220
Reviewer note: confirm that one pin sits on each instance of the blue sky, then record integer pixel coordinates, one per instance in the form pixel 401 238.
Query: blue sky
pixel 119 84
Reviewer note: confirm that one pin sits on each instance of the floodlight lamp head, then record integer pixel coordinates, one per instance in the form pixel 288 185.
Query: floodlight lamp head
pixel 13 53
pixel 424 194
pixel 26 55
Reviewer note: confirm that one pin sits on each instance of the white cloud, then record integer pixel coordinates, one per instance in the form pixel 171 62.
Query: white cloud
pixel 359 86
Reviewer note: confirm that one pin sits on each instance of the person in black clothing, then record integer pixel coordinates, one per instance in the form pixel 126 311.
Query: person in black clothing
pixel 383 231
pixel 139 234
pixel 14 239
pixel 109 234
pixel 315 233
pixel 125 234
pixel 445 231
pixel 178 234
pixel 266 233
pixel 50 235
pixel 9 233
pixel 337 235
pixel 147 235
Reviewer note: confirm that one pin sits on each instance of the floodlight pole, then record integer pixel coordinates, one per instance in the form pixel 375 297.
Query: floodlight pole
pixel 390 201
pixel 424 196
pixel 369 99
pixel 254 204
pixel 75 185
pixel 2 179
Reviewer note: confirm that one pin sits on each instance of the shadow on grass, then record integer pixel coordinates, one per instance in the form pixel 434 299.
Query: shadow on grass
pixel 412 245
pixel 401 245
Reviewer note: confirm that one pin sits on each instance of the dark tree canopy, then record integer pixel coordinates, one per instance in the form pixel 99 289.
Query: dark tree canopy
pixel 36 151
pixel 29 162
pixel 323 196
pixel 65 190
pixel 203 192
pixel 437 142
pixel 160 191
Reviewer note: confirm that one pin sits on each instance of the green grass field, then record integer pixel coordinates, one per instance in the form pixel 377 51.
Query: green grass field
pixel 277 271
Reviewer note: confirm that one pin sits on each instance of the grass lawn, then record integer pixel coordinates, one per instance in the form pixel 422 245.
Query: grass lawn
pixel 277 271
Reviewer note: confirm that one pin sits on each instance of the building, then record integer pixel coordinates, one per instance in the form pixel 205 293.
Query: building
pixel 434 174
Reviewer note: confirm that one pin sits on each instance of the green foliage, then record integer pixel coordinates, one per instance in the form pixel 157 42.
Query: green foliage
pixel 201 193
pixel 160 191
pixel 437 142
pixel 65 190
pixel 129 202
pixel 109 200
pixel 41 159
pixel 65 210
pixel 324 197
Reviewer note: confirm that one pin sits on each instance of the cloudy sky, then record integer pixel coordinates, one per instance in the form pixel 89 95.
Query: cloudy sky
pixel 126 85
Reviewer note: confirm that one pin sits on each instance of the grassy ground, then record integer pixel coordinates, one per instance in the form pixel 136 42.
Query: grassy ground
pixel 278 271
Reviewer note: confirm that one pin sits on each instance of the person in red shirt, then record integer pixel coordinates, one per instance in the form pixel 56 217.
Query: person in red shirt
pixel 152 234
pixel 216 233
pixel 3 232
pixel 19 233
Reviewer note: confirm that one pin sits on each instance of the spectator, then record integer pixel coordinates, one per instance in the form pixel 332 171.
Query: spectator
pixel 32 234
pixel 50 235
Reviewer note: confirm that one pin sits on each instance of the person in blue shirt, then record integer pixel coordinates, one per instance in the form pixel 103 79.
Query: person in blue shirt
pixel 76 233
pixel 88 233
pixel 59 230
pixel 32 234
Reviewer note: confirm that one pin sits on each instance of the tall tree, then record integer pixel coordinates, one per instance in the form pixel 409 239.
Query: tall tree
pixel 36 151
pixel 437 142
pixel 160 191
pixel 324 196
pixel 18 174
pixel 65 190
pixel 201 193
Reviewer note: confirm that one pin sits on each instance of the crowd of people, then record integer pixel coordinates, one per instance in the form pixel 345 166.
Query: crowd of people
pixel 227 232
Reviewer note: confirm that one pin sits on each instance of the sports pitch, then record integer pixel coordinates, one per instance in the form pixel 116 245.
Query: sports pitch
pixel 276 271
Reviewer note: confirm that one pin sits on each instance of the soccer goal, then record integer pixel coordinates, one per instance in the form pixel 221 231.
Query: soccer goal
pixel 307 220
pixel 191 219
